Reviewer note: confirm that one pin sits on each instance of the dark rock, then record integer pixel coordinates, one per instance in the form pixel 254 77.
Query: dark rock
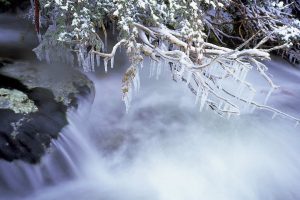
pixel 28 136
pixel 30 140
pixel 11 83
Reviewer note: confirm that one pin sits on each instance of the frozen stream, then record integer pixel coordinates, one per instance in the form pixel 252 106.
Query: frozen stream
pixel 164 149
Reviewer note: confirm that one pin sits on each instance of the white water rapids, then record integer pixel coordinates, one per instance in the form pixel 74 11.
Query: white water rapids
pixel 165 149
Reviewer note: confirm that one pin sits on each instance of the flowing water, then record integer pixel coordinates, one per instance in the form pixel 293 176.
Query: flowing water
pixel 164 149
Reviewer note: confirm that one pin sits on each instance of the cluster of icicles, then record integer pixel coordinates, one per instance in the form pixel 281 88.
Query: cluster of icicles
pixel 229 92
pixel 132 87
pixel 222 87
pixel 88 61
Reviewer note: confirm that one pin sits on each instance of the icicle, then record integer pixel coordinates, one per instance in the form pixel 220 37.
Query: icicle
pixel 290 58
pixel 129 98
pixel 98 60
pixel 127 102
pixel 189 77
pixel 203 99
pixel 88 62
pixel 268 95
pixel 105 64
pixel 32 4
pixel 197 95
pixel 92 62
pixel 274 115
pixel 165 65
pixel 158 70
pixel 136 81
pixel 105 43
pixel 151 66
pixel 296 124
pixel 85 65
pixel 142 64
pixel 112 62
pixel 154 68
pixel 81 54
pixel 79 60
pixel 135 84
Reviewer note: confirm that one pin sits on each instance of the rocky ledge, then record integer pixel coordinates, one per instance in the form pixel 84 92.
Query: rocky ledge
pixel 34 99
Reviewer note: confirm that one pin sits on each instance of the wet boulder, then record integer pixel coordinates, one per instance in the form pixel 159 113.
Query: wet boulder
pixel 35 99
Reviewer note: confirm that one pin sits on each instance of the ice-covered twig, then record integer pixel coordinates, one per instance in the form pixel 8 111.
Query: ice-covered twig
pixel 228 61
pixel 260 68
pixel 109 56
pixel 268 108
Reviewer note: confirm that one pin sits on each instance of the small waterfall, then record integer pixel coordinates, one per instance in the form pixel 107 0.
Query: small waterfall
pixel 61 163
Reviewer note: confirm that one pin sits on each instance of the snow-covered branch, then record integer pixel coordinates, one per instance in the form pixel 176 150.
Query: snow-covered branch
pixel 210 45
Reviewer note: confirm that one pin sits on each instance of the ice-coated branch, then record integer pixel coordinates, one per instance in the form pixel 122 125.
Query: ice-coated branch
pixel 210 45
pixel 233 65
pixel 109 56
pixel 113 52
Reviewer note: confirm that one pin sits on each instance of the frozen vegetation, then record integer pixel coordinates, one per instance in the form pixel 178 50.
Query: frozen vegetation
pixel 210 45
